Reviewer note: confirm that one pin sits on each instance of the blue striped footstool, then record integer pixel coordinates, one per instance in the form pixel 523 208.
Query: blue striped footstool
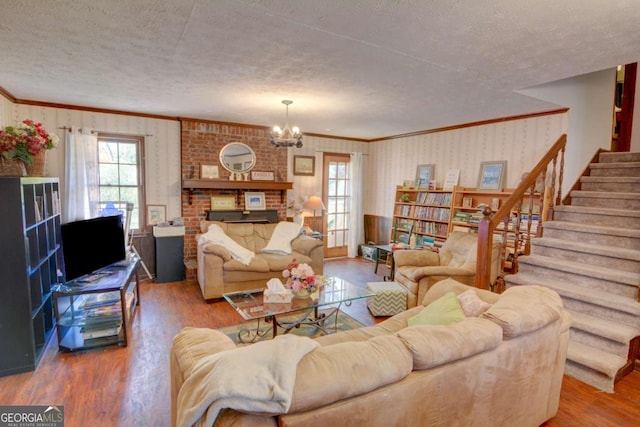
pixel 390 298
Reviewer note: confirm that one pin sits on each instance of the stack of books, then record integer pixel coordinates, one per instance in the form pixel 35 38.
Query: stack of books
pixel 103 315
pixel 461 216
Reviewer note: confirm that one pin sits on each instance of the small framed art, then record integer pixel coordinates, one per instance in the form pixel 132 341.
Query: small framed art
pixel 209 172
pixel 255 201
pixel 451 179
pixel 492 175
pixel 262 176
pixel 304 165
pixel 223 203
pixel 424 174
pixel 156 214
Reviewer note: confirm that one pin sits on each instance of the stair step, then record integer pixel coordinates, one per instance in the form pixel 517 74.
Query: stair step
pixel 608 251
pixel 593 234
pixel 602 327
pixel 627 218
pixel 601 361
pixel 582 269
pixel 602 255
pixel 595 297
pixel 591 228
pixel 589 277
pixel 615 169
pixel 606 199
pixel 614 184
pixel 619 157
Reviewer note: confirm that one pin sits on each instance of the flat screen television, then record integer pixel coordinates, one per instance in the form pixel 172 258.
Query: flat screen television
pixel 91 244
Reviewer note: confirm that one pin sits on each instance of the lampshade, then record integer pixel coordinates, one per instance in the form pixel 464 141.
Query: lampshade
pixel 314 202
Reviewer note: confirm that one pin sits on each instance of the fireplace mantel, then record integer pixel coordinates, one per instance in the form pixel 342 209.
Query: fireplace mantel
pixel 214 184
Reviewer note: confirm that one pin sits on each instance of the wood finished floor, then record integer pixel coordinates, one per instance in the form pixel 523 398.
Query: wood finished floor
pixel 130 386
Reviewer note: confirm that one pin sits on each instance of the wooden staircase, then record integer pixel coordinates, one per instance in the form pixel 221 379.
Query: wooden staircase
pixel 590 255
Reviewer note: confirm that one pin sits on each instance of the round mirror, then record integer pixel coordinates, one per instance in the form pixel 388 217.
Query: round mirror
pixel 237 157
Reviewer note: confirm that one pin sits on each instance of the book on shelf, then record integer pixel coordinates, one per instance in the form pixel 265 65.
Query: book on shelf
pixel 104 330
pixel 100 299
pixel 461 216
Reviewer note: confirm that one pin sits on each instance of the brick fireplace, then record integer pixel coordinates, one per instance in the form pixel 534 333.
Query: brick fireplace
pixel 201 142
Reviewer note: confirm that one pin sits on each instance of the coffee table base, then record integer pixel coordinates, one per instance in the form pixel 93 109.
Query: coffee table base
pixel 310 317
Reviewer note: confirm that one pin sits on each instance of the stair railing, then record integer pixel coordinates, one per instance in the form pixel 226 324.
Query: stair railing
pixel 534 184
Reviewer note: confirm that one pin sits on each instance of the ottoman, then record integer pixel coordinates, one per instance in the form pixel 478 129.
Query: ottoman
pixel 390 298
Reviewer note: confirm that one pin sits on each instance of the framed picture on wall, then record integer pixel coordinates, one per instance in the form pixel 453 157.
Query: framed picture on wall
pixel 156 214
pixel 209 172
pixel 492 175
pixel 255 201
pixel 304 165
pixel 424 174
pixel 223 202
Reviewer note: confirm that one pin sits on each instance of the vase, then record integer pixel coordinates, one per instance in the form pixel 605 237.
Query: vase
pixel 12 167
pixel 302 293
pixel 37 166
pixel 298 218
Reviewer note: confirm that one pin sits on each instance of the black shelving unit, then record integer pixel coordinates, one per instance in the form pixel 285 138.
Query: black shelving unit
pixel 31 254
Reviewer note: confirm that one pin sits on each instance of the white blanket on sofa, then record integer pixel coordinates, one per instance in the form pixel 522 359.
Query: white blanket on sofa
pixel 218 236
pixel 280 242
pixel 255 378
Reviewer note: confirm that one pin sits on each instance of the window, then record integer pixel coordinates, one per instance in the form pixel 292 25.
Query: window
pixel 121 173
pixel 336 189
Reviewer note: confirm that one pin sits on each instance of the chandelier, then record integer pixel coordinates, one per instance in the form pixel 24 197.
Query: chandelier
pixel 287 137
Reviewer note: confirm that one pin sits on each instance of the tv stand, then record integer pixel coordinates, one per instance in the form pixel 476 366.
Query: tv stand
pixel 97 310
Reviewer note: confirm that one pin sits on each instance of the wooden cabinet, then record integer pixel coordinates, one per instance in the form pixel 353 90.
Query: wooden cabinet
pixel 427 211
pixel 31 255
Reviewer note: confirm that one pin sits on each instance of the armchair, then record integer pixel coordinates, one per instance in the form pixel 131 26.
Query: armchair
pixel 418 270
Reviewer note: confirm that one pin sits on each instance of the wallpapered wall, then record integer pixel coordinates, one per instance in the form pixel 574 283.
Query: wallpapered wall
pixel 386 163
pixel 162 146
pixel 520 142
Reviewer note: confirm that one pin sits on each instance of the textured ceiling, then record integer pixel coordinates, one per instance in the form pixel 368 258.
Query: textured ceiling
pixel 363 69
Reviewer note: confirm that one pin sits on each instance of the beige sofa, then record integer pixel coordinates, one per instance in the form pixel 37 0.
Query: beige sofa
pixel 219 273
pixel 503 368
pixel 418 270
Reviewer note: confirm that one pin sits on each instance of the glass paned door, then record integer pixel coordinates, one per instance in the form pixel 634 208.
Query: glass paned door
pixel 337 201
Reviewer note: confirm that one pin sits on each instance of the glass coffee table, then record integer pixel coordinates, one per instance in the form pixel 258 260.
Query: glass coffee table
pixel 334 293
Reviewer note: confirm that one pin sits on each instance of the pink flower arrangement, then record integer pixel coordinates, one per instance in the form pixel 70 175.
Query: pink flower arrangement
pixel 295 206
pixel 26 140
pixel 300 277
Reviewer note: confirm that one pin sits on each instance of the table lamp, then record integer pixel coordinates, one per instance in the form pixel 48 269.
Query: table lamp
pixel 313 203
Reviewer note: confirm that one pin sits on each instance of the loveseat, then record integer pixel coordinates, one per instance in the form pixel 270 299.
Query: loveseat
pixel 503 367
pixel 219 272
pixel 418 270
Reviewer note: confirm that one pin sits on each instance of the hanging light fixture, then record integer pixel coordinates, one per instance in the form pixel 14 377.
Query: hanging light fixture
pixel 287 137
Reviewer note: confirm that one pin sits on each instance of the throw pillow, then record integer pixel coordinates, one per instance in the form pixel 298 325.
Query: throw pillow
pixel 471 303
pixel 217 235
pixel 280 242
pixel 442 311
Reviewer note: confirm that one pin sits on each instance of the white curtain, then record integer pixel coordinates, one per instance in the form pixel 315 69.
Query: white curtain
pixel 81 175
pixel 356 218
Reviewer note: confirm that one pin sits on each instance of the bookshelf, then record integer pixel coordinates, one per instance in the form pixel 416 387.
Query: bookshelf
pixel 427 211
pixel 466 214
pixel 31 265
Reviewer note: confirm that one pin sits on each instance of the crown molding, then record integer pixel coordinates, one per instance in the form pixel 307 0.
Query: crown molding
pixel 473 124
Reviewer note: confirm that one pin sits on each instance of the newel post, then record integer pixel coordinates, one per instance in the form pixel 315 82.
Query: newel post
pixel 485 239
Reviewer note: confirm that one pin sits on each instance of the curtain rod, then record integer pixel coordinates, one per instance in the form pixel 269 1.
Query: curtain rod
pixel 95 131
